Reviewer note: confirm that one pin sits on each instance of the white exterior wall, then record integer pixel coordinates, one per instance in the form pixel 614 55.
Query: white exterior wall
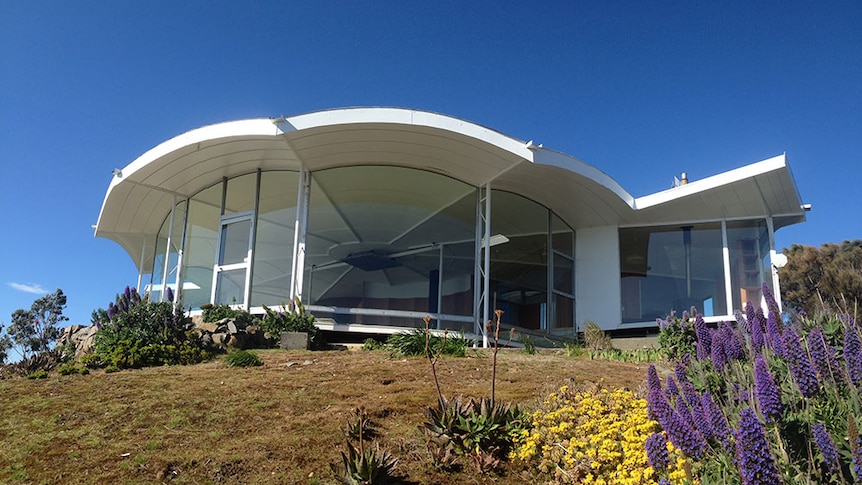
pixel 597 277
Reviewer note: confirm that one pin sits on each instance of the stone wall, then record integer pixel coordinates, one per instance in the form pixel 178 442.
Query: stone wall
pixel 217 336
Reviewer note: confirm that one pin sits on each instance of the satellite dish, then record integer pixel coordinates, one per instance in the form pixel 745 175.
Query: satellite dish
pixel 779 260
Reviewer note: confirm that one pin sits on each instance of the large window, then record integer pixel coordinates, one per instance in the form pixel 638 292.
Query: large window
pixel 389 238
pixel 273 250
pixel 165 263
pixel 522 232
pixel 201 242
pixel 748 245
pixel 672 268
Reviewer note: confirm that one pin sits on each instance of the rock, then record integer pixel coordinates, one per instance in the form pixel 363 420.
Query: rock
pixel 220 339
pixel 294 341
pixel 231 328
pixel 207 327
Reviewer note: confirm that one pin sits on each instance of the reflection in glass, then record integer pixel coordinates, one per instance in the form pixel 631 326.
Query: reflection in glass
pixel 200 252
pixel 273 250
pixel 748 245
pixel 671 268
pixel 375 239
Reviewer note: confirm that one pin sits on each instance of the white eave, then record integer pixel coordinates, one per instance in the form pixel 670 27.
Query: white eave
pixel 140 198
pixel 765 188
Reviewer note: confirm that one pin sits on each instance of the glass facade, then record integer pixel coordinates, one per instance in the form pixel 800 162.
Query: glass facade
pixel 750 265
pixel 669 268
pixel 383 245
pixel 674 268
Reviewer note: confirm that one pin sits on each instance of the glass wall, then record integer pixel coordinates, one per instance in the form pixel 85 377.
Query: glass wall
pixel 158 283
pixel 519 260
pixel 750 266
pixel 376 236
pixel 200 251
pixel 380 241
pixel 563 245
pixel 273 252
pixel 671 268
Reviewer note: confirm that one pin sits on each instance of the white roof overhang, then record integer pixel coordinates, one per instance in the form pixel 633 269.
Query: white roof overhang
pixel 760 189
pixel 140 197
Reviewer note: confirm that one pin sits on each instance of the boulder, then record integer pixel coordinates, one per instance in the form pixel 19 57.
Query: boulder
pixel 294 341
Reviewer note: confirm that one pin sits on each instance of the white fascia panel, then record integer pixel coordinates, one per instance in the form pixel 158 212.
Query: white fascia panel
pixel 406 117
pixel 691 188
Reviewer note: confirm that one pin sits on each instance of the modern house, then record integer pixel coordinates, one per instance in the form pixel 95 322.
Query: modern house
pixel 377 217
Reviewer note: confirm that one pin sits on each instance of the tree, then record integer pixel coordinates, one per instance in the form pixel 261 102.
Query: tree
pixel 5 345
pixel 36 330
pixel 827 279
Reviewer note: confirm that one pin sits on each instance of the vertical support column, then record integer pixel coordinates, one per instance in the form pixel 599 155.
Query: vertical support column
pixel 168 252
pixel 300 234
pixel 550 317
pixel 725 254
pixel 776 288
pixel 440 288
pixel 141 266
pixel 178 296
pixel 482 278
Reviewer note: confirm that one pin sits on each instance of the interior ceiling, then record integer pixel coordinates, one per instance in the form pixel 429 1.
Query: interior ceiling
pixel 138 201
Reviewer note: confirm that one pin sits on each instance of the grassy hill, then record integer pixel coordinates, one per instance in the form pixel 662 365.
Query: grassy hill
pixel 279 423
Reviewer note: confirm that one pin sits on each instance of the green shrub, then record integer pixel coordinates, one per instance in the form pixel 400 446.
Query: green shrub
pixel 242 358
pixel 412 343
pixel 372 344
pixel 292 318
pixel 39 374
pixel 92 361
pixel 677 336
pixel 70 368
pixel 141 333
pixel 214 313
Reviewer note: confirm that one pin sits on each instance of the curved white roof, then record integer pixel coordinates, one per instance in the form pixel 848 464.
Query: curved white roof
pixel 141 195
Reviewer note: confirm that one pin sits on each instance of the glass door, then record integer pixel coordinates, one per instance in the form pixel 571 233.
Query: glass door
pixel 233 256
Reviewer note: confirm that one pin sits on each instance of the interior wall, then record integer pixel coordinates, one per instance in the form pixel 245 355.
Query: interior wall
pixel 597 277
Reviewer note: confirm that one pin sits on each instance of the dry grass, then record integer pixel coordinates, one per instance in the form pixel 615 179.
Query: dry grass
pixel 278 423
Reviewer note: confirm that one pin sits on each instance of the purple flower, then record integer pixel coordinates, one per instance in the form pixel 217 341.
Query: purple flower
pixel 671 390
pixel 757 337
pixel 719 356
pixel 112 310
pixel 768 394
pixel 170 294
pixel 704 342
pixel 717 421
pixel 827 446
pixel 800 364
pixel 658 407
pixel 656 451
pixel 697 417
pixel 732 344
pixel 127 293
pixel 853 355
pixel 771 305
pixel 653 382
pixel 678 429
pixel 823 355
pixel 756 465
pixel 680 370
pixel 773 334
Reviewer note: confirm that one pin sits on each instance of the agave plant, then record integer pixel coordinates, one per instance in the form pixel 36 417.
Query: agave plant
pixel 365 467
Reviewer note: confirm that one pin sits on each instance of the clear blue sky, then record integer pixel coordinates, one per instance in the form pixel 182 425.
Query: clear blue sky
pixel 641 90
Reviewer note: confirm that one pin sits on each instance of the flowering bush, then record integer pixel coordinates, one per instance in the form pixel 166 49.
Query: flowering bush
pixel 765 400
pixel 141 333
pixel 597 437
